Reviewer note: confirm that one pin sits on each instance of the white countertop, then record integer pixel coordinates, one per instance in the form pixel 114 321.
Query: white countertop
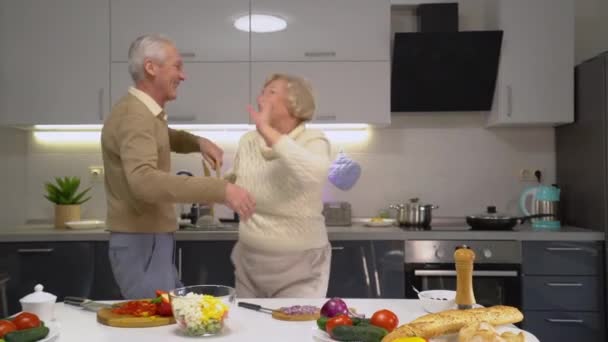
pixel 78 325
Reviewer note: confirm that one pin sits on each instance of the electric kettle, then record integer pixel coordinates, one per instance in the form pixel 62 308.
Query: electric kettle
pixel 541 199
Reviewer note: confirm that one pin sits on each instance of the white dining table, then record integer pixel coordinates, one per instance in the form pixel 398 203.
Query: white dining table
pixel 75 324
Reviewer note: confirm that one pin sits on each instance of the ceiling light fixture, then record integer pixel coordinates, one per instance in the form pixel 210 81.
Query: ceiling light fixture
pixel 260 23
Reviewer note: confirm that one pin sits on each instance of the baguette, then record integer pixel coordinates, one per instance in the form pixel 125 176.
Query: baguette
pixel 451 321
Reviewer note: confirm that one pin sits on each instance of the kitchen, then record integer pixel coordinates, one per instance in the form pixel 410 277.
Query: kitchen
pixel 460 161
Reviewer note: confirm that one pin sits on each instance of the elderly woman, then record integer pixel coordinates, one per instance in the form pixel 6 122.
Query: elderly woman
pixel 283 250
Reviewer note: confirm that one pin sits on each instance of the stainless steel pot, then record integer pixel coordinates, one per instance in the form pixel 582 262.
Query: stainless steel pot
pixel 414 214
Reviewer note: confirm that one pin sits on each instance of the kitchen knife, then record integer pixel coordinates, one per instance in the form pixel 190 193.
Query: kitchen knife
pixel 255 307
pixel 86 303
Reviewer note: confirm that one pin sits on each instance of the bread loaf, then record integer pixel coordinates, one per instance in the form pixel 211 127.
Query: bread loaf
pixel 451 321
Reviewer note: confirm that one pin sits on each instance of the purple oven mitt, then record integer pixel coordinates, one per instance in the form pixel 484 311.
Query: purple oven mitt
pixel 344 172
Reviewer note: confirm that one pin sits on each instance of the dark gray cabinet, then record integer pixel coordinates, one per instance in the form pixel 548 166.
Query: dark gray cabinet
pixel 366 269
pixel 205 262
pixel 387 266
pixel 64 268
pixel 563 290
pixel 104 286
pixel 350 275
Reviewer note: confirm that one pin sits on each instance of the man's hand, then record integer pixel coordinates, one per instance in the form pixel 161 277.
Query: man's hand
pixel 239 200
pixel 212 153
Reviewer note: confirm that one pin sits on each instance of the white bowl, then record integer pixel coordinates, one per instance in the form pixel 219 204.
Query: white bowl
pixel 437 300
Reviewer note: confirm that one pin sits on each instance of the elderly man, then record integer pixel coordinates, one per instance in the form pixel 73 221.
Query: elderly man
pixel 140 189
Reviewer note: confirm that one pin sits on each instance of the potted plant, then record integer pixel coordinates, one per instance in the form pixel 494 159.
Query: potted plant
pixel 64 193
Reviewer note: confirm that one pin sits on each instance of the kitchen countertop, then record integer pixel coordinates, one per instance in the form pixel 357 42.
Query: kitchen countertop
pixel 243 324
pixel 357 231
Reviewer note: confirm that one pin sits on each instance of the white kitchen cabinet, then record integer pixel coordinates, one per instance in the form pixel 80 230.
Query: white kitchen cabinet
pixel 213 93
pixel 535 84
pixel 345 92
pixel 203 30
pixel 324 30
pixel 54 61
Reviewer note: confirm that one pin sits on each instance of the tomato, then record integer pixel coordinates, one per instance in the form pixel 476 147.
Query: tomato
pixel 159 293
pixel 335 321
pixel 6 327
pixel 385 319
pixel 26 320
pixel 164 309
pixel 138 308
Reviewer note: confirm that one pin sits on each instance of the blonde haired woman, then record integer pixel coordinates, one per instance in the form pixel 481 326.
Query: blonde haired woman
pixel 283 250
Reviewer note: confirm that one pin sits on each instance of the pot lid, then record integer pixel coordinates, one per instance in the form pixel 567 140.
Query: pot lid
pixel 491 214
pixel 38 296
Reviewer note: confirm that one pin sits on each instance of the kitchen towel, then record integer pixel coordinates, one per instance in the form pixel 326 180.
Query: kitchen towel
pixel 344 172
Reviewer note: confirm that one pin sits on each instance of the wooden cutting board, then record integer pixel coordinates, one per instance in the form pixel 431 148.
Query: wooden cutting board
pixel 107 317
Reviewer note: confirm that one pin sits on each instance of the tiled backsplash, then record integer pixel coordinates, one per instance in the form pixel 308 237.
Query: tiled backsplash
pixel 448 159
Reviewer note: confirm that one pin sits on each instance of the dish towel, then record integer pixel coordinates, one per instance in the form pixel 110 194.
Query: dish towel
pixel 344 172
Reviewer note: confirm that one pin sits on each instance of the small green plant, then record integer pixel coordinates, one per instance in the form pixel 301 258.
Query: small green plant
pixel 64 192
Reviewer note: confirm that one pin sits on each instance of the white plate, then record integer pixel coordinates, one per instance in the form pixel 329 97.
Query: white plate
pixel 53 332
pixel 384 223
pixel 86 224
pixel 322 336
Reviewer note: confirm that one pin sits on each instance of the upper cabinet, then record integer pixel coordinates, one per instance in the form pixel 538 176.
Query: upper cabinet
pixel 341 95
pixel 202 30
pixel 216 55
pixel 213 93
pixel 322 30
pixel 341 46
pixel 54 65
pixel 65 61
pixel 535 84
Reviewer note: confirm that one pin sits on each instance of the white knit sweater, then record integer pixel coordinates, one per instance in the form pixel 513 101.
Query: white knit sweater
pixel 287 183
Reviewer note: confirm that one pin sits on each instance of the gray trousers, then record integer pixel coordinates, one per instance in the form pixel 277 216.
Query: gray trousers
pixel 143 263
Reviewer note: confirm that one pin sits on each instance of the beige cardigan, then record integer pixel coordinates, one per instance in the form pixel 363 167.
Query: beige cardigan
pixel 140 189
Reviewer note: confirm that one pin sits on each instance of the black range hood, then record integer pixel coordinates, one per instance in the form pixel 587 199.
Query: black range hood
pixel 440 70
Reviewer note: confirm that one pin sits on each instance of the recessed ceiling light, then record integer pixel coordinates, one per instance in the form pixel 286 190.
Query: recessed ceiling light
pixel 261 23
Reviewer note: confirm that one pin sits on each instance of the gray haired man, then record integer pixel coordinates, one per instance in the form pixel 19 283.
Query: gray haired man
pixel 140 190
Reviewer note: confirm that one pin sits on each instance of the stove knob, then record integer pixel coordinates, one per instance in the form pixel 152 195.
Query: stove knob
pixel 439 254
pixel 487 253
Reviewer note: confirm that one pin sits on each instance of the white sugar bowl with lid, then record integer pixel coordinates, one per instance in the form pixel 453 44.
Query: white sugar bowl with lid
pixel 40 303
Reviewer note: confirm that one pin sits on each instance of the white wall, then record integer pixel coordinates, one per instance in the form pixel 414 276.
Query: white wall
pixel 446 159
pixel 13 154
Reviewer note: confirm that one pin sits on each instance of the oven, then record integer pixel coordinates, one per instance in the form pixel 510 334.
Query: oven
pixel 429 265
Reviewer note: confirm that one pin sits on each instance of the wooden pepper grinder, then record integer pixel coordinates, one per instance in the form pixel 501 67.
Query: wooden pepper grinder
pixel 464 258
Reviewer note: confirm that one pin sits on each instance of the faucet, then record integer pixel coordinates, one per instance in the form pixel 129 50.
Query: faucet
pixel 196 210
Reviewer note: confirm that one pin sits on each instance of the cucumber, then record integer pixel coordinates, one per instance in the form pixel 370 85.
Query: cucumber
pixel 321 322
pixel 27 335
pixel 360 321
pixel 364 333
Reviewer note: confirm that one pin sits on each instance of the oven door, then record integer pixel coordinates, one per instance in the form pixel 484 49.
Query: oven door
pixel 492 284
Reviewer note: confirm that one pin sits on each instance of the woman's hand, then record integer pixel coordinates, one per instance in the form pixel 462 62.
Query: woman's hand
pixel 261 118
pixel 262 123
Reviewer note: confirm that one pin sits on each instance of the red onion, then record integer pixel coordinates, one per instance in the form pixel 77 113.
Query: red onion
pixel 334 307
